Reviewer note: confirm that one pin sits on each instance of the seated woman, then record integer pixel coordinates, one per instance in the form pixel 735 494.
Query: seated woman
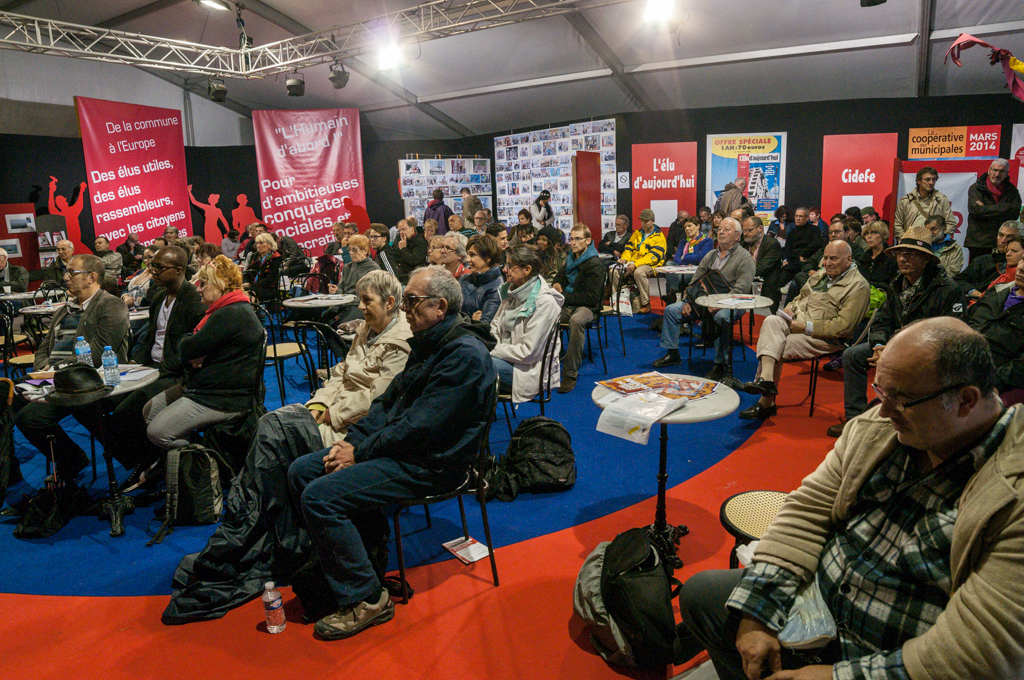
pixel 529 310
pixel 222 361
pixel 876 265
pixel 435 250
pixel 691 251
pixel 480 286
pixel 429 229
pixel 205 253
pixel 359 266
pixel 139 289
pixel 264 270
pixel 549 242
pixel 1014 255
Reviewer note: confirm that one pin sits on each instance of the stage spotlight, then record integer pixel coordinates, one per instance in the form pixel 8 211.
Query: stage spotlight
pixel 216 90
pixel 295 85
pixel 214 4
pixel 658 10
pixel 390 56
pixel 339 76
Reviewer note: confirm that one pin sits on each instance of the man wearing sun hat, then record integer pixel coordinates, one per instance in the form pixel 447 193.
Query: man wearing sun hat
pixel 921 290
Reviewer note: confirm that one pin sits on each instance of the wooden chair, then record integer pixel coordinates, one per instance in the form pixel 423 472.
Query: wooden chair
pixel 747 514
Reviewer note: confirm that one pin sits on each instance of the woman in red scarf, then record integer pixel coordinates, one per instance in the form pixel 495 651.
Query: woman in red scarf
pixel 1014 254
pixel 223 360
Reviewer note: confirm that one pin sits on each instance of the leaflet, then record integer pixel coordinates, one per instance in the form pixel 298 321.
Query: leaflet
pixel 631 416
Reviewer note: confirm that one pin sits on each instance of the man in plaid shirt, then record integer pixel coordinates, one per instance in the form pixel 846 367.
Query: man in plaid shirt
pixel 913 526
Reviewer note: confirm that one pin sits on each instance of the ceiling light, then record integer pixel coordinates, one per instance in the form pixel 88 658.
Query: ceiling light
pixel 339 76
pixel 295 85
pixel 658 10
pixel 216 90
pixel 390 56
pixel 871 3
pixel 214 4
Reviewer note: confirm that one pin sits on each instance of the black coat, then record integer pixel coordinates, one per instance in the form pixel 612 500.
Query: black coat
pixel 412 256
pixel 802 242
pixel 187 311
pixel 768 267
pixel 981 271
pixel 676 233
pixel 608 245
pixel 938 296
pixel 1004 331
pixel 983 221
pixel 230 344
pixel 589 288
pixel 265 275
pixel 879 271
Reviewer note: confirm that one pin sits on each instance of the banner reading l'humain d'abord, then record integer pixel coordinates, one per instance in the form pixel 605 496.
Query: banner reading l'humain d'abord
pixel 759 157
pixel 311 171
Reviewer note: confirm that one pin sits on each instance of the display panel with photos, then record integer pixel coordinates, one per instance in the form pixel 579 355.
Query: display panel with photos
pixel 420 177
pixel 527 163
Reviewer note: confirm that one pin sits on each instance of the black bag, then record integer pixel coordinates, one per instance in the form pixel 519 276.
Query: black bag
pixel 539 460
pixel 53 507
pixel 624 593
pixel 711 283
pixel 194 493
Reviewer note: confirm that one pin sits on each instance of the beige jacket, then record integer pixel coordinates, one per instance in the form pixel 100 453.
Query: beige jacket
pixel 952 258
pixel 981 632
pixel 912 209
pixel 363 376
pixel 837 311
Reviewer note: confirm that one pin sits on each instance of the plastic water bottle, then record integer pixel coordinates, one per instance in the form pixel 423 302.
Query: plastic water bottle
pixel 111 374
pixel 83 353
pixel 273 607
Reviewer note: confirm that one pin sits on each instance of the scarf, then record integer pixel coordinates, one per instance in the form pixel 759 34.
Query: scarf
pixel 223 301
pixel 259 267
pixel 993 189
pixel 572 262
pixel 528 293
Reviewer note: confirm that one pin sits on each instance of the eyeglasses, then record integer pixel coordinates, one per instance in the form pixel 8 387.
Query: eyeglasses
pixel 577 239
pixel 410 301
pixel 901 406
pixel 158 268
pixel 69 272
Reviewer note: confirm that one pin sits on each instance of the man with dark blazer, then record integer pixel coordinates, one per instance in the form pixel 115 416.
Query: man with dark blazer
pixel 767 254
pixel 802 241
pixel 614 242
pixel 12 275
pixel 55 270
pixel 102 321
pixel 131 252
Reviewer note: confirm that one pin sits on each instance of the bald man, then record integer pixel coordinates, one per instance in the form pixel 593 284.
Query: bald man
pixel 912 526
pixel 827 310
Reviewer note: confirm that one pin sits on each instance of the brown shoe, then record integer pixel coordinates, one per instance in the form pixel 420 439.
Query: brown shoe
pixel 644 309
pixel 837 429
pixel 348 621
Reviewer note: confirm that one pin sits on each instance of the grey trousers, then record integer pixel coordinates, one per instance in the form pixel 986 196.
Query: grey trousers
pixel 170 417
pixel 578 319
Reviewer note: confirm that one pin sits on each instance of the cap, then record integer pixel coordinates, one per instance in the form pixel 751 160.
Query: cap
pixel 647 214
pixel 870 210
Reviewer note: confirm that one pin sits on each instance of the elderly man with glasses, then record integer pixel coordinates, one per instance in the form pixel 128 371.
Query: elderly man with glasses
pixel 418 438
pixel 991 201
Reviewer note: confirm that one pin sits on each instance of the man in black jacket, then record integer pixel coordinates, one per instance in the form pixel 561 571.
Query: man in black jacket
pixel 614 242
pixel 581 281
pixel 984 269
pixel 411 249
pixel 999 316
pixel 131 252
pixel 12 276
pixel 991 201
pixel 921 291
pixel 767 254
pixel 676 232
pixel 802 241
pixel 419 438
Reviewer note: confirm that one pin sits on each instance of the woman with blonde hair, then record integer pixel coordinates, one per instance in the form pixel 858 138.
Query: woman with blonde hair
pixel 264 270
pixel 222 361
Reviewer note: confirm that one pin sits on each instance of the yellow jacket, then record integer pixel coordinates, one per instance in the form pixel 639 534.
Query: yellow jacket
pixel 650 250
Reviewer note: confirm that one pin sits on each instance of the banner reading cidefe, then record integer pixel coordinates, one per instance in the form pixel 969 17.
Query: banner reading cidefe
pixel 760 158
pixel 311 170
pixel 135 159
pixel 954 142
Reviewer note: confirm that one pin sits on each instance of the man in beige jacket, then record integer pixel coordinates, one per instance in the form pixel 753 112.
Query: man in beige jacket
pixel 912 526
pixel 830 305
pixel 924 200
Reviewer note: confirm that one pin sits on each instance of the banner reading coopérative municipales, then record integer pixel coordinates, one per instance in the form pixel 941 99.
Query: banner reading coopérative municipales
pixel 759 157
pixel 135 160
pixel 310 167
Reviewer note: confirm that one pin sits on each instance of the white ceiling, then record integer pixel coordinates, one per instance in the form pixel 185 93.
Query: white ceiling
pixel 545 71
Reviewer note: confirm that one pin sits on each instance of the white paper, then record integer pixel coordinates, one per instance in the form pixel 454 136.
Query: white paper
pixel 732 302
pixel 468 550
pixel 632 416
pixel 132 372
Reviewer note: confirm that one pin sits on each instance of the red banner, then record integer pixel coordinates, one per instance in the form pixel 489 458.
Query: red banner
pixel 664 180
pixel 857 171
pixel 311 171
pixel 135 159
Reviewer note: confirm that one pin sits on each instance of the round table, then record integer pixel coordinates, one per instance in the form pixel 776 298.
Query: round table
pixel 750 302
pixel 664 536
pixel 19 296
pixel 42 310
pixel 320 301
pixel 140 314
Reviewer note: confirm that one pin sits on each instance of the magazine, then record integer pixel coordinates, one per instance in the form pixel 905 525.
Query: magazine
pixel 466 549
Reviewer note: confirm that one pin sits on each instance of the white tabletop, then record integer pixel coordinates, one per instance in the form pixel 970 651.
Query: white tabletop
pixel 49 308
pixel 676 269
pixel 138 314
pixel 724 401
pixel 755 302
pixel 19 296
pixel 320 301
pixel 132 385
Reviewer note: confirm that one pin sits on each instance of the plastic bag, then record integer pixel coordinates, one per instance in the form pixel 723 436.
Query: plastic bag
pixel 810 624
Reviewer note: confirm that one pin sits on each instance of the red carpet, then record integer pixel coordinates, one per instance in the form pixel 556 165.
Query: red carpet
pixel 458 625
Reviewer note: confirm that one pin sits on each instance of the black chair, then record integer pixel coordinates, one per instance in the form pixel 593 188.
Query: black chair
pixel 612 310
pixel 474 484
pixel 595 323
pixel 278 352
pixel 545 386
pixel 326 356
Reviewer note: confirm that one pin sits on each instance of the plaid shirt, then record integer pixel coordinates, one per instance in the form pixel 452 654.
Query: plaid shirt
pixel 884 573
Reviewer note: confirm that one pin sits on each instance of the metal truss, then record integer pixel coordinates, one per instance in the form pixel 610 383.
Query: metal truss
pixel 429 21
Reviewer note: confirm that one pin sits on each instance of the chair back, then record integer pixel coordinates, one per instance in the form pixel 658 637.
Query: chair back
pixel 547 363
pixel 484 459
pixel 309 284
pixel 325 354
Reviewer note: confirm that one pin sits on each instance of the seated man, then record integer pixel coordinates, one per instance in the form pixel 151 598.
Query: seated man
pixel 737 268
pixel 410 250
pixel 102 321
pixel 111 260
pixel 802 241
pixel 951 254
pixel 999 316
pixel 984 269
pixel 131 252
pixel 417 438
pixel 581 282
pixel 839 230
pixel 55 270
pixel 828 309
pixel 913 527
pixel 921 291
pixel 12 277
pixel 767 254
pixel 644 251
pixel 614 242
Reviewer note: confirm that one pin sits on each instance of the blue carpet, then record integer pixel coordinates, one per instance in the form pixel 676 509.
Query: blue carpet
pixel 613 474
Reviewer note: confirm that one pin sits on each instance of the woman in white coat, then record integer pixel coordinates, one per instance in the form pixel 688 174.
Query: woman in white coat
pixel 541 211
pixel 528 311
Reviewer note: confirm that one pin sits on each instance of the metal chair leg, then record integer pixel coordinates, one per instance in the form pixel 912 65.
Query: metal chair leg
pixel 401 558
pixel 482 499
pixel 426 511
pixel 462 512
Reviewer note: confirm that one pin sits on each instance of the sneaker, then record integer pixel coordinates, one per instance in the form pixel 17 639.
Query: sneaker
pixel 568 384
pixel 758 412
pixel 671 358
pixel 349 621
pixel 834 364
pixel 837 429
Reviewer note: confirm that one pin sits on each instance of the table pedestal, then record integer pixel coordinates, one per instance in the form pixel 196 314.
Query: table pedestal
pixel 664 536
pixel 116 505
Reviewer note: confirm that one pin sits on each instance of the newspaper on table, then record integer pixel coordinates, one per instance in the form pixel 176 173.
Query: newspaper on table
pixel 734 300
pixel 637 402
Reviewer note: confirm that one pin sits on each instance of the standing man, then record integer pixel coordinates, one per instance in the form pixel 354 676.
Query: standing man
pixel 55 270
pixel 991 201
pixel 419 438
pixel 470 205
pixel 614 242
pixel 581 283
pixel 732 195
pixel 644 251
pixel 767 254
pixel 438 210
pixel 704 212
pixel 924 200
pixel 12 276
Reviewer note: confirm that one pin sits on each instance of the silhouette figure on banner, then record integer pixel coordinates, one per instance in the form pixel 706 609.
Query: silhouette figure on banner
pixel 214 216
pixel 243 215
pixel 357 214
pixel 70 213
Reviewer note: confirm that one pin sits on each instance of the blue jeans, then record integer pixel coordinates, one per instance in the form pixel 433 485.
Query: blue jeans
pixel 505 371
pixel 342 506
pixel 673 318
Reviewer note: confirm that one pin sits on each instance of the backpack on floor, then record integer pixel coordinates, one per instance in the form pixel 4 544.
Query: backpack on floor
pixel 624 594
pixel 194 493
pixel 539 460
